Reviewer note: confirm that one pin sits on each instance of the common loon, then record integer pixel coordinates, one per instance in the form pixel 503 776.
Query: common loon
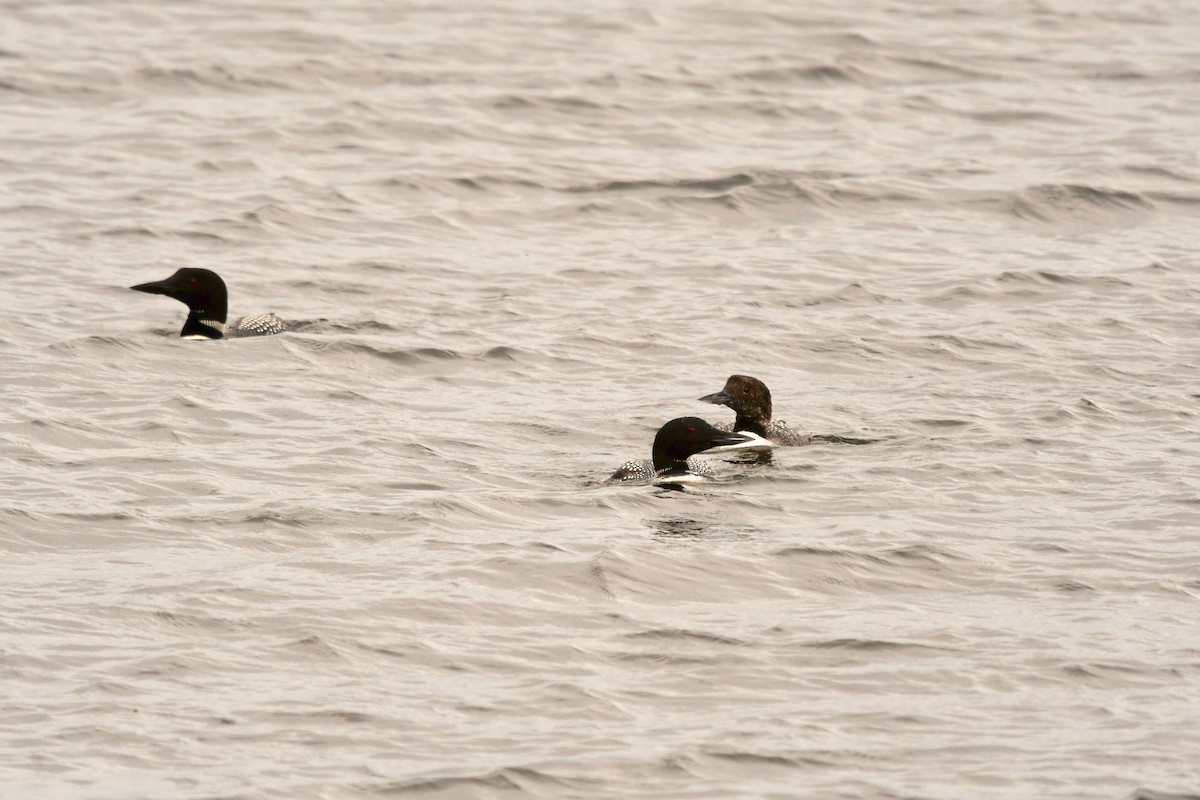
pixel 750 399
pixel 674 444
pixel 204 293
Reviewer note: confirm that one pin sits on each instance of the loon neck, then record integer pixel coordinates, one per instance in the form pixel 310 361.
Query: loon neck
pixel 755 424
pixel 198 327
pixel 672 469
pixel 669 466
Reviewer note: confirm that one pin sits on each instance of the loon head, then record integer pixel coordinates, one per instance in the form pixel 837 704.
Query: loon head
pixel 749 398
pixel 686 436
pixel 203 292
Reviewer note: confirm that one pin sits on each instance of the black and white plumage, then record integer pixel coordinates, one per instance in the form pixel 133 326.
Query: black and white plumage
pixel 750 399
pixel 641 470
pixel 671 456
pixel 207 299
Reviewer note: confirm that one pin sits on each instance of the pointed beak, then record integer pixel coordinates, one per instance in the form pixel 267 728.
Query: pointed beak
pixel 158 287
pixel 727 439
pixel 719 398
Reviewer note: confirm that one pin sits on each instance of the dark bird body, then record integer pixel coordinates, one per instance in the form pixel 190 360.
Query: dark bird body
pixel 207 299
pixel 671 456
pixel 750 399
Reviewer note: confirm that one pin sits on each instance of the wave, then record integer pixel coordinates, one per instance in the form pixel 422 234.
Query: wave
pixel 213 77
pixel 817 73
pixel 1057 201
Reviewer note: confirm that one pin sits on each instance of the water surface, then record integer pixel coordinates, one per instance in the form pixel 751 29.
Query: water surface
pixel 374 557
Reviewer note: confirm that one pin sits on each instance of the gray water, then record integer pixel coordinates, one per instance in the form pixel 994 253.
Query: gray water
pixel 375 556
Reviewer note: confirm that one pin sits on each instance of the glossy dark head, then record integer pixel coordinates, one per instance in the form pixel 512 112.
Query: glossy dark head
pixel 687 436
pixel 202 290
pixel 749 398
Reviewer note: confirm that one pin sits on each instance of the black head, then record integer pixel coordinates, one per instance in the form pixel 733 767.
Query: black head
pixel 749 398
pixel 202 290
pixel 687 436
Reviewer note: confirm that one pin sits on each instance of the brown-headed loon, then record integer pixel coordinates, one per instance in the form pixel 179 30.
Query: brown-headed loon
pixel 750 399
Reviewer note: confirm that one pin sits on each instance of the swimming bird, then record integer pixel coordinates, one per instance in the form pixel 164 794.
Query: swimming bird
pixel 204 293
pixel 750 399
pixel 671 457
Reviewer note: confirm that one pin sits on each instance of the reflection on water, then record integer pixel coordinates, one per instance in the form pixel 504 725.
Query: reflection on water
pixel 676 528
pixel 832 438
pixel 756 457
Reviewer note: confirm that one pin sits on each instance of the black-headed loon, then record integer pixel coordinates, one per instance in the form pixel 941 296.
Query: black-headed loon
pixel 671 457
pixel 204 293
pixel 750 399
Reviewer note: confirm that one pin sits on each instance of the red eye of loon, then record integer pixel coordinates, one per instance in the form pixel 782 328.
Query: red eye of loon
pixel 691 431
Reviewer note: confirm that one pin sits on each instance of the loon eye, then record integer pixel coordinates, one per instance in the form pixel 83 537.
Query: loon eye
pixel 192 281
pixel 691 431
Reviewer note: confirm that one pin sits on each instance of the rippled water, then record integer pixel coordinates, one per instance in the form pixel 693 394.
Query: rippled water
pixel 375 556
